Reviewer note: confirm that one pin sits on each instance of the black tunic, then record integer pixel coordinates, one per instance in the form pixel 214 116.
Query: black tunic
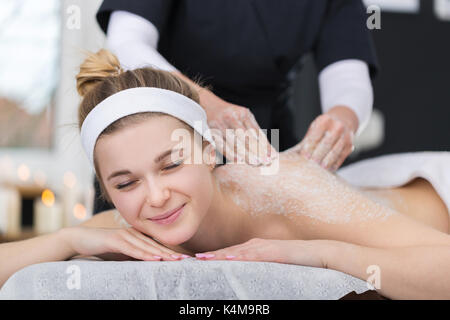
pixel 245 49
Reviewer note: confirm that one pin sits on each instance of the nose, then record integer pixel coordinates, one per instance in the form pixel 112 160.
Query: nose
pixel 157 194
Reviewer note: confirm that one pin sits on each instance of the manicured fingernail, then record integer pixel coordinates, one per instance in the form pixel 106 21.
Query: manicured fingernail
pixel 200 255
pixel 174 256
pixel 230 257
pixel 184 256
pixel 157 257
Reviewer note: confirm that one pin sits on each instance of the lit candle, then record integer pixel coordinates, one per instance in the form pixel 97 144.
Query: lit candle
pixel 10 212
pixel 7 169
pixel 47 215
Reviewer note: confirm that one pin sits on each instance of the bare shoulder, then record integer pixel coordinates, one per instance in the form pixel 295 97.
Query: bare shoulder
pixel 105 219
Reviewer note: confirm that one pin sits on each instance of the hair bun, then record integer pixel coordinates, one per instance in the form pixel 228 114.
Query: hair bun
pixel 95 68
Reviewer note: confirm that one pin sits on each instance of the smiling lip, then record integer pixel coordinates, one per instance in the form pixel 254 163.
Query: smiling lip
pixel 167 214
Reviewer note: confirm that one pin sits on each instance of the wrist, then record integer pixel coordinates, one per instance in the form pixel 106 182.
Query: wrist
pixel 66 237
pixel 345 115
pixel 328 251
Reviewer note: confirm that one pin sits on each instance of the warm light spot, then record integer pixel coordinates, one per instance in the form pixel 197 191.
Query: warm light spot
pixel 69 179
pixel 48 198
pixel 23 172
pixel 40 178
pixel 79 211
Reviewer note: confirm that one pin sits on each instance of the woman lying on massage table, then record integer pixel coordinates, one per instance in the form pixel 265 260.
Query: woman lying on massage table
pixel 294 213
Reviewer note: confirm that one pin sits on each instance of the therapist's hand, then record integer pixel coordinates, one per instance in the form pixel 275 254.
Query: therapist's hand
pixel 222 115
pixel 329 139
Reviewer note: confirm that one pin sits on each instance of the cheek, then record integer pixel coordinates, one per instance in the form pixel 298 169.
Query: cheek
pixel 128 204
pixel 195 181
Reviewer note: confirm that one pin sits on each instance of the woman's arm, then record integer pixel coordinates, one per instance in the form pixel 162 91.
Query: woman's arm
pixel 17 255
pixel 418 272
pixel 101 236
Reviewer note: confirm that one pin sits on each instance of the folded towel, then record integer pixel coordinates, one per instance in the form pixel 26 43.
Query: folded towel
pixel 398 169
pixel 188 279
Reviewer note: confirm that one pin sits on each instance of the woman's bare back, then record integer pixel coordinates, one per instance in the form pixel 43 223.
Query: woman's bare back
pixel 302 188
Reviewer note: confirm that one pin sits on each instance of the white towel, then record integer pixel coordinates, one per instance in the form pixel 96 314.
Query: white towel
pixel 398 169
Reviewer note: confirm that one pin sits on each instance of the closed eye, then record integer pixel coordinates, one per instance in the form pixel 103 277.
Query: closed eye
pixel 172 166
pixel 121 186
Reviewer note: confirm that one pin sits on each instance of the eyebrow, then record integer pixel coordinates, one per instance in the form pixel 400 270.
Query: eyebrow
pixel 159 158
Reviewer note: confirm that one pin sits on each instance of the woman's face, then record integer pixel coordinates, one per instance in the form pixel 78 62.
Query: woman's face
pixel 147 185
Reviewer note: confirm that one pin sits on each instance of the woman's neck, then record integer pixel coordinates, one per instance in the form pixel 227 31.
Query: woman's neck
pixel 225 224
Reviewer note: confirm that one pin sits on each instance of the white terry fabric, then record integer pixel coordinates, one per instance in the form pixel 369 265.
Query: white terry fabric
pixel 141 99
pixel 134 40
pixel 347 83
pixel 187 279
pixel 398 169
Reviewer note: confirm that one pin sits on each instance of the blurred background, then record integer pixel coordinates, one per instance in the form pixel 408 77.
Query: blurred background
pixel 46 181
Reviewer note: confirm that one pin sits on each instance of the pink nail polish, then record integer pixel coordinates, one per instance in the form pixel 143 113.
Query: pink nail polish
pixel 157 257
pixel 209 255
pixel 184 256
pixel 200 255
pixel 230 257
pixel 174 256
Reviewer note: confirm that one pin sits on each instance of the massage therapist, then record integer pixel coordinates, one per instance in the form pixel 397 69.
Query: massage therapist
pixel 246 52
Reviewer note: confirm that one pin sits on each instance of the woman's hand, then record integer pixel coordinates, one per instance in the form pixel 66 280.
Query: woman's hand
pixel 329 139
pixel 233 143
pixel 300 252
pixel 130 242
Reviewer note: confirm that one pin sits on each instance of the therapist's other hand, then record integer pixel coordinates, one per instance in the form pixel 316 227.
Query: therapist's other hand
pixel 245 141
pixel 329 139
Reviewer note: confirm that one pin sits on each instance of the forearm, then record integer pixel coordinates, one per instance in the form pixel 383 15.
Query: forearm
pixel 347 83
pixel 17 255
pixel 417 272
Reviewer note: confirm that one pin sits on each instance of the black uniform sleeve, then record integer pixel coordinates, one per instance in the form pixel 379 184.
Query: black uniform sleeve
pixel 155 11
pixel 344 35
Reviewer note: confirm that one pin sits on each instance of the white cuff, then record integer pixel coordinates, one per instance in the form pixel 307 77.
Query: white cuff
pixel 347 83
pixel 134 39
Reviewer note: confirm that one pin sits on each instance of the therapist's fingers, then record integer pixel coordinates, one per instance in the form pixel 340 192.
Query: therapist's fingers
pixel 348 148
pixel 265 149
pixel 313 136
pixel 238 118
pixel 247 134
pixel 335 154
pixel 327 142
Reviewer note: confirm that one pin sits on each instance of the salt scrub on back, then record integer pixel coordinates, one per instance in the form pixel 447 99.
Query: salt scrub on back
pixel 300 187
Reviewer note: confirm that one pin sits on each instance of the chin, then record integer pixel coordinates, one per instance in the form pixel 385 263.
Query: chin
pixel 177 237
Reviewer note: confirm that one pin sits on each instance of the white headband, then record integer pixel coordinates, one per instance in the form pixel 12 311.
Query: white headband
pixel 141 99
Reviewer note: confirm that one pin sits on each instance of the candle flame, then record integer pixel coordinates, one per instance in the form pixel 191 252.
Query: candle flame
pixel 48 198
pixel 79 211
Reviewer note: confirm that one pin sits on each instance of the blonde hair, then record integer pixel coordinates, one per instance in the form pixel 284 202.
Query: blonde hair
pixel 101 76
